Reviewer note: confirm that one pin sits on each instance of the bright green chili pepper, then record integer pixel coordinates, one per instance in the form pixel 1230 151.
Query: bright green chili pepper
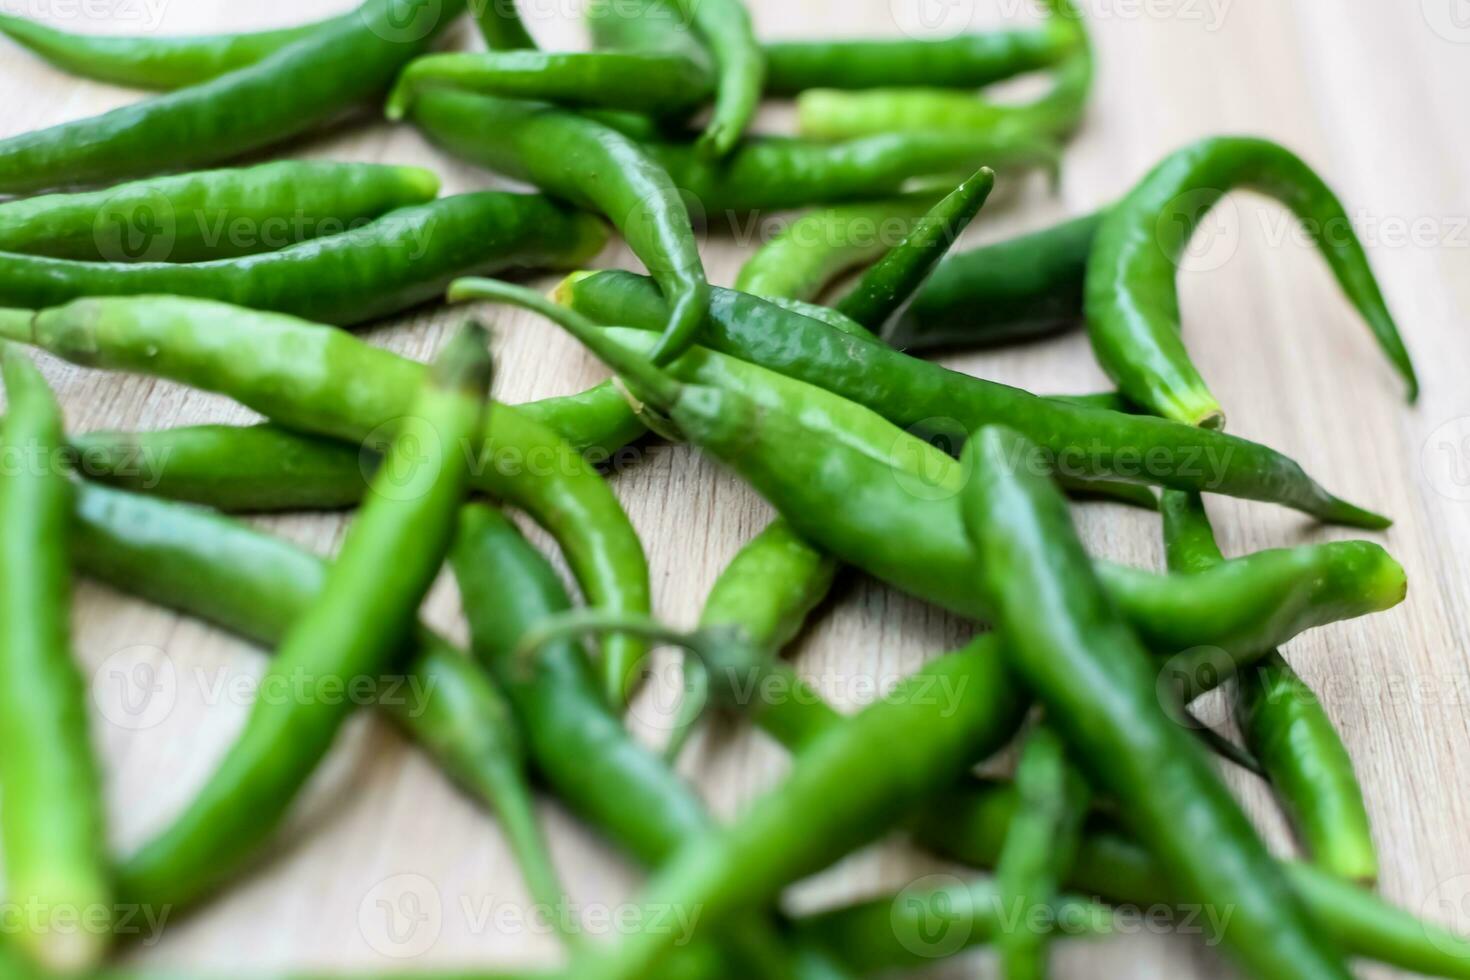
pixel 1063 638
pixel 589 164
pixel 155 62
pixel 320 380
pixel 1132 306
pixel 368 602
pixel 501 25
pixel 400 260
pixel 1017 289
pixel 740 69
pixel 890 283
pixel 56 868
pixel 1040 847
pixel 1082 441
pixel 196 562
pixel 1285 726
pixel 215 214
pixel 339 67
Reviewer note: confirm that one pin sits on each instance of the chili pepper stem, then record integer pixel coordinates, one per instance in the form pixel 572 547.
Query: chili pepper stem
pixel 580 622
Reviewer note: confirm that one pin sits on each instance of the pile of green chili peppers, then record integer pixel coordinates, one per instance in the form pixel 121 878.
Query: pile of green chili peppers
pixel 802 380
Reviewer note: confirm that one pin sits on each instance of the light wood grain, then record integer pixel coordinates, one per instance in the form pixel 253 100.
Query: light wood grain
pixel 1372 96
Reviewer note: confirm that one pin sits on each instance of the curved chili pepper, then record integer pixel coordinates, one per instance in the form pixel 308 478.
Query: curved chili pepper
pixel 212 214
pixel 911 392
pixel 196 562
pixel 343 65
pixel 1064 640
pixel 293 372
pixel 400 260
pixel 52 825
pixel 1132 306
pixel 740 69
pixel 589 164
pixel 501 25
pixel 1285 726
pixel 368 601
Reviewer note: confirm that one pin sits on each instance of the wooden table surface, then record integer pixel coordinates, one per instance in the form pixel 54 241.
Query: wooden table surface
pixel 388 867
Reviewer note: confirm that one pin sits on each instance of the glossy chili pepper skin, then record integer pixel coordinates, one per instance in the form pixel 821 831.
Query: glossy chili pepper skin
pixel 589 164
pixel 331 71
pixel 154 62
pixel 365 610
pixel 646 82
pixel 215 214
pixel 320 380
pixel 1132 303
pixel 740 69
pixel 1286 727
pixel 890 283
pixel 52 825
pixel 501 25
pixel 1066 643
pixel 1014 290
pixel 909 392
pixel 400 260
pixel 834 800
pixel 199 563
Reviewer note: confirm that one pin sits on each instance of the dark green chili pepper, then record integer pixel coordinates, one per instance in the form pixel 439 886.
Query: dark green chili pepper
pixel 637 81
pixel 155 62
pixel 885 287
pixel 1040 847
pixel 400 260
pixel 501 25
pixel 1286 727
pixel 368 602
pixel 1080 441
pixel 1062 637
pixel 196 562
pixel 320 380
pixel 740 69
pixel 52 824
pixel 1017 289
pixel 1132 306
pixel 589 164
pixel 339 67
pixel 214 214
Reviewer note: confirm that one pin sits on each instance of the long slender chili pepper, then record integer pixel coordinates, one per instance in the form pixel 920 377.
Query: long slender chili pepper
pixel 887 502
pixel 590 164
pixel 910 392
pixel 1017 289
pixel 740 69
pixel 501 25
pixel 215 214
pixel 293 372
pixel 367 605
pixel 1040 847
pixel 1285 726
pixel 340 67
pixel 1062 637
pixel 890 283
pixel 155 62
pixel 196 562
pixel 52 823
pixel 1132 305
pixel 400 260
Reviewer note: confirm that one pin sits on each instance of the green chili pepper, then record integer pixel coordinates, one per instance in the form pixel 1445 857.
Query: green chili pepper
pixel 211 215
pixel 890 283
pixel 323 381
pixel 1286 727
pixel 368 601
pixel 196 562
pixel 1081 441
pixel 1062 637
pixel 344 64
pixel 591 165
pixel 740 69
pixel 56 869
pixel 398 261
pixel 155 62
pixel 501 25
pixel 887 502
pixel 1132 306
pixel 1040 847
